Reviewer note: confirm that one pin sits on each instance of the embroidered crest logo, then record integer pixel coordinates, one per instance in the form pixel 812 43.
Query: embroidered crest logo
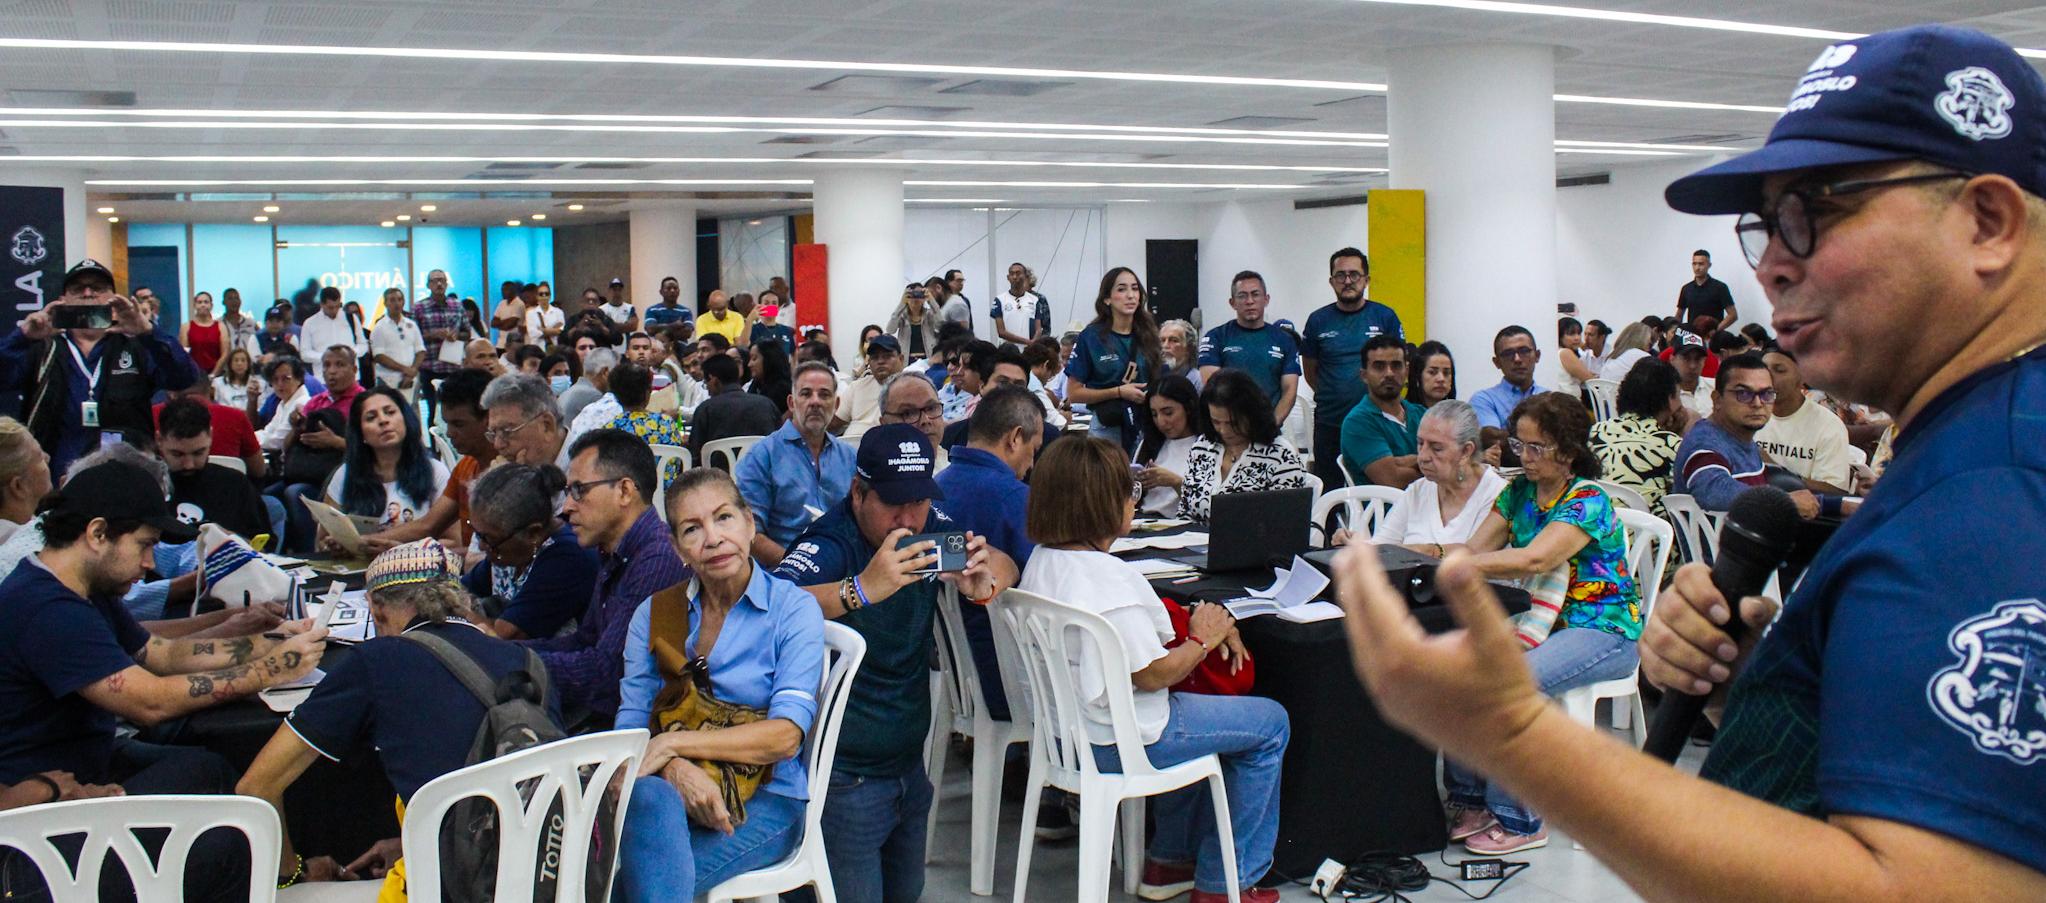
pixel 1997 693
pixel 125 362
pixel 1976 103
pixel 28 247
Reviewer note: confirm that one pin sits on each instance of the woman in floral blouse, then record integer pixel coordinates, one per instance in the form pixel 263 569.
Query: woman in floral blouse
pixel 632 385
pixel 1240 451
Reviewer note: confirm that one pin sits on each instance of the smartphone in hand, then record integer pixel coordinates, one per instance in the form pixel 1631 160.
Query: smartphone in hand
pixel 950 554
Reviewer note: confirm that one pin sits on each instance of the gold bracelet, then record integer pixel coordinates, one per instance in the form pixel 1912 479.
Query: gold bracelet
pixel 296 874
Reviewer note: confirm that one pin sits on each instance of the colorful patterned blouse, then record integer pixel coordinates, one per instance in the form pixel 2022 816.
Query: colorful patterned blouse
pixel 1601 594
pixel 656 429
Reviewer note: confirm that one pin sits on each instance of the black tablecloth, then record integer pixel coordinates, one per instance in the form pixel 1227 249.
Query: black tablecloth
pixel 335 809
pixel 1351 783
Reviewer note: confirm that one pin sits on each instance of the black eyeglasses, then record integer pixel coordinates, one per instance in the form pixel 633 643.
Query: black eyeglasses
pixel 1796 223
pixel 578 491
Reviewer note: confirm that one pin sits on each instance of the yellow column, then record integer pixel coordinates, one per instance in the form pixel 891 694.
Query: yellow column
pixel 1397 220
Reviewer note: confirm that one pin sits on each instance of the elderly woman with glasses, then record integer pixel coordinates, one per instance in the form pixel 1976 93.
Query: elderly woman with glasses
pixel 1554 528
pixel 724 670
pixel 534 578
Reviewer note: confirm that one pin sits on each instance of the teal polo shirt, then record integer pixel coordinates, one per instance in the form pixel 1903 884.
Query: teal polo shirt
pixel 1368 435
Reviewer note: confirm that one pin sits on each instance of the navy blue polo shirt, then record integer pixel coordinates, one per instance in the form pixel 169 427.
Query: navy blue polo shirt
pixel 556 589
pixel 1267 353
pixel 1335 338
pixel 393 696
pixel 890 708
pixel 1101 358
pixel 53 643
pixel 1906 678
pixel 986 498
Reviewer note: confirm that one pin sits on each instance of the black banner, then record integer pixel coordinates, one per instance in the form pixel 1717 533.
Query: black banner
pixel 32 229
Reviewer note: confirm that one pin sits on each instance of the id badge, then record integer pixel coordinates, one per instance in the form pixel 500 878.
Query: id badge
pixel 88 413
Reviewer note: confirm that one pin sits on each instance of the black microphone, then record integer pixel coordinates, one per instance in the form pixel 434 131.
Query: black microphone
pixel 1761 526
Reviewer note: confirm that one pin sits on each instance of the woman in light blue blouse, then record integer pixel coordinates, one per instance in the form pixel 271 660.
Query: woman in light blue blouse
pixel 712 800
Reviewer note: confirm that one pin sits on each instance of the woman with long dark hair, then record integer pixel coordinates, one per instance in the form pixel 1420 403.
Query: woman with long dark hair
pixel 1432 375
pixel 387 473
pixel 1241 450
pixel 1177 421
pixel 1115 358
pixel 771 375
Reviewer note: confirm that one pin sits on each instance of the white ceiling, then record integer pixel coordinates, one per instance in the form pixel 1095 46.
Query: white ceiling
pixel 1330 40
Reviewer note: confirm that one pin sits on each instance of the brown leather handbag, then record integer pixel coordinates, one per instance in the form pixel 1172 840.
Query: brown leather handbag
pixel 685 702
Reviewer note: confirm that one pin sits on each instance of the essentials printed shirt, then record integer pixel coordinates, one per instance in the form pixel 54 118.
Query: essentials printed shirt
pixel 1267 353
pixel 1602 595
pixel 1903 680
pixel 1811 442
pixel 786 487
pixel 1335 339
pixel 890 708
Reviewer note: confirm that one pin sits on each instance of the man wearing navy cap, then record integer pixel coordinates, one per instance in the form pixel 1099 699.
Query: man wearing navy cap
pixel 1887 738
pixel 874 819
pixel 74 382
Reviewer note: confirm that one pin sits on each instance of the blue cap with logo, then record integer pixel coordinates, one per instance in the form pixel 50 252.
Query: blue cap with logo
pixel 1947 96
pixel 897 460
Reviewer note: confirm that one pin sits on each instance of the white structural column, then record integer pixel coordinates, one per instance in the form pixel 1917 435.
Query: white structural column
pixel 663 244
pixel 859 221
pixel 1474 126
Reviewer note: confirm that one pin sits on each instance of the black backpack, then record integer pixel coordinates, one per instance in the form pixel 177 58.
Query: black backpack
pixel 514 718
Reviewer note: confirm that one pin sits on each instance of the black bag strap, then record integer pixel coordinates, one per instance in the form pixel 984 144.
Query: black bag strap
pixel 465 669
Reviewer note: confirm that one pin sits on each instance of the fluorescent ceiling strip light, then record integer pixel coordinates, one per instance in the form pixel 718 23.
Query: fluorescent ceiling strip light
pixel 869 161
pixel 1612 15
pixel 196 183
pixel 441 54
pixel 1670 104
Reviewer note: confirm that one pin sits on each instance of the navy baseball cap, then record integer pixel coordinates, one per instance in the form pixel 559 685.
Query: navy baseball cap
pixel 87 267
pixel 897 460
pixel 1948 96
pixel 884 342
pixel 116 489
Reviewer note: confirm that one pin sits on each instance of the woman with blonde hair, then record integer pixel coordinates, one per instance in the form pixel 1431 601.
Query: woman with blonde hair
pixel 1629 346
pixel 24 476
pixel 915 322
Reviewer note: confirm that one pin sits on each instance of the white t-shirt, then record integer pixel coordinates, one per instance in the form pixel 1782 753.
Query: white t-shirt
pixel 1697 401
pixel 320 332
pixel 401 341
pixel 1164 500
pixel 1811 443
pixel 1616 369
pixel 397 508
pixel 542 318
pixel 1114 589
pixel 1417 517
pixel 272 436
pixel 237 397
pixel 1018 314
pixel 619 313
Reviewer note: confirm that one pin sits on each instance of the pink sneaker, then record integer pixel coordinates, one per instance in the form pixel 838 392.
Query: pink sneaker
pixel 1464 821
pixel 1497 841
pixel 1165 880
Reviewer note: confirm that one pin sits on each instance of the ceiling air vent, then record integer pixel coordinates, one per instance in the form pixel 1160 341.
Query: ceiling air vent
pixel 520 167
pixel 879 84
pixel 840 155
pixel 1262 122
pixel 36 97
pixel 613 165
pixel 805 139
pixel 1006 87
pixel 913 112
pixel 1597 178
pixel 1354 200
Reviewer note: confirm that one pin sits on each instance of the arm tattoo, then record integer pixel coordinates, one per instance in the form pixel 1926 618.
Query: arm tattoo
pixel 202 685
pixel 203 648
pixel 291 659
pixel 240 650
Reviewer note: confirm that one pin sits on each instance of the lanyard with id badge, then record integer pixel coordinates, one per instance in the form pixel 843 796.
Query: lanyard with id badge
pixel 88 410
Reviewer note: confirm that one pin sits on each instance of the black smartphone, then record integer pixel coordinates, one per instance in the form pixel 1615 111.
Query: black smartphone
pixel 951 552
pixel 82 316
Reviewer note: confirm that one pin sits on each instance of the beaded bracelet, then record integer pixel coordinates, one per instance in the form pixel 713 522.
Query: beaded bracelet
pixel 296 873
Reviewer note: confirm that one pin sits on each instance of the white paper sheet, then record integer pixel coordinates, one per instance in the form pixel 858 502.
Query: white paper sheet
pixel 1187 540
pixel 345 529
pixel 1292 589
pixel 1160 567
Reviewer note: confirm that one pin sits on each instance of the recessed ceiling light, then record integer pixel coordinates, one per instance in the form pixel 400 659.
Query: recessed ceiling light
pixel 262 219
pixel 270 209
pixel 539 216
pixel 387 224
pixel 404 217
pixel 511 222
pixel 427 208
pixel 106 209
pixel 113 219
pixel 575 206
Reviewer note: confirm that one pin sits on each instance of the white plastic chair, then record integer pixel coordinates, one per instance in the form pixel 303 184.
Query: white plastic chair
pixel 1697 529
pixel 1343 467
pixel 554 771
pixel 958 707
pixel 229 461
pixel 109 826
pixel 437 441
pixel 725 453
pixel 1623 496
pixel 1312 482
pixel 1857 457
pixel 1648 540
pixel 1605 398
pixel 662 455
pixel 1363 507
pixel 844 648
pixel 1048 636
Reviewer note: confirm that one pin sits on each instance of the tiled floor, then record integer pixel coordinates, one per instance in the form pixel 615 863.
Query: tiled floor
pixel 1559 874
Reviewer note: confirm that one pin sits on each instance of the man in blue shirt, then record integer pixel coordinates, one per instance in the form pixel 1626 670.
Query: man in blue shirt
pixel 799 470
pixel 1515 354
pixel 1381 436
pixel 1332 353
pixel 850 560
pixel 1884 738
pixel 670 310
pixel 989 498
pixel 1251 345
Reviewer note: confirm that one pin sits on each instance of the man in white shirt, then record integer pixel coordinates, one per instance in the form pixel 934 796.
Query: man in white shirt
pixel 619 310
pixel 287 379
pixel 1593 353
pixel 397 345
pixel 1689 360
pixel 328 327
pixel 1802 435
pixel 1020 314
pixel 543 321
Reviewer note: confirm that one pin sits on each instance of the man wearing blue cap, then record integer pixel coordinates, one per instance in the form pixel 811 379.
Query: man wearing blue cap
pixel 849 559
pixel 1885 739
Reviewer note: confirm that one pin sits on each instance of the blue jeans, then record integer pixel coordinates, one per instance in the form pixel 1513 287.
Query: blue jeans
pixel 663 857
pixel 298 521
pixel 1249 734
pixel 1568 659
pixel 274 507
pixel 874 836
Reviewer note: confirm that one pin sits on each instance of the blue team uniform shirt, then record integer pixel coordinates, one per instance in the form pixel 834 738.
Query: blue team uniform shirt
pixel 1335 339
pixel 988 500
pixel 1267 353
pixel 1101 358
pixel 53 643
pixel 1906 678
pixel 890 708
